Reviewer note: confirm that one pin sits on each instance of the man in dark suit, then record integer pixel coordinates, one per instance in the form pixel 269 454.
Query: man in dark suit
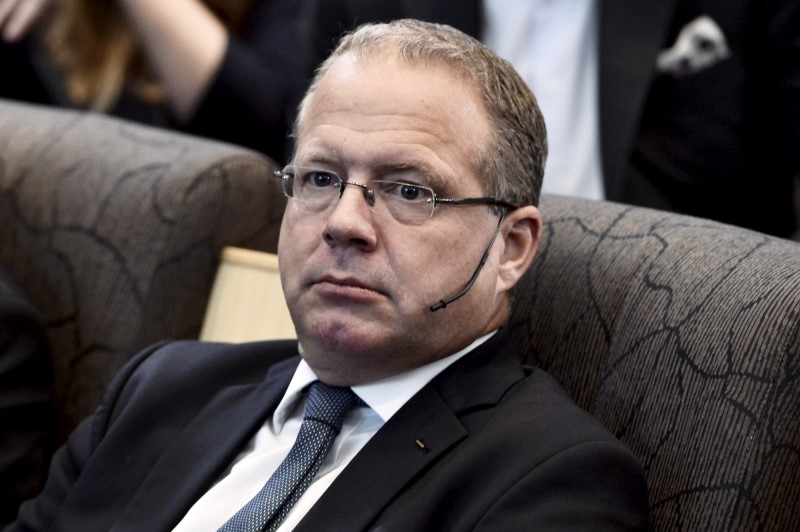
pixel 26 421
pixel 698 100
pixel 411 137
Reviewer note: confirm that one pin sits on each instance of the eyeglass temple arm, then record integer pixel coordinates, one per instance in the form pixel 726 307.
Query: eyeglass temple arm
pixel 486 200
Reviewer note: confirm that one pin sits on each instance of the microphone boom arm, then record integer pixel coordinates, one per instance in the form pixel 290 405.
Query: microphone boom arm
pixel 444 302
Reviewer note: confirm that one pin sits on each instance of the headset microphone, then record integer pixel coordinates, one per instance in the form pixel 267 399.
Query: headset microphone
pixel 444 302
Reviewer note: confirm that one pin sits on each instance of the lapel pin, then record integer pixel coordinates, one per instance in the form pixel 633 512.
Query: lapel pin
pixel 421 444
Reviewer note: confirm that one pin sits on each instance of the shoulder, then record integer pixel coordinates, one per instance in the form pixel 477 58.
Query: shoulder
pixel 225 364
pixel 558 452
pixel 184 358
pixel 190 371
pixel 538 409
pixel 505 405
pixel 527 451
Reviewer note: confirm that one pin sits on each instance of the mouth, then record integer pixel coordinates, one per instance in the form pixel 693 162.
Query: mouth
pixel 347 287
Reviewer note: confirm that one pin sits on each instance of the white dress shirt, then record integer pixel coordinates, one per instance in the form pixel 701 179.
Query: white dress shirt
pixel 262 456
pixel 553 45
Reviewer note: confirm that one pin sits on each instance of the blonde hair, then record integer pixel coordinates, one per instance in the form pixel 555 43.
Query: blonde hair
pixel 98 55
pixel 512 164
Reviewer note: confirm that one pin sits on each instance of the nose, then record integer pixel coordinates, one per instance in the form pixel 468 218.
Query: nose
pixel 351 222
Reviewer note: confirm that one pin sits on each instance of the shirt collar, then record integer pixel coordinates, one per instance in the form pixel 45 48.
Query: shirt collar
pixel 384 396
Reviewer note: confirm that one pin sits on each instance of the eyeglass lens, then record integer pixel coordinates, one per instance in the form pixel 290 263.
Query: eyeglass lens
pixel 317 190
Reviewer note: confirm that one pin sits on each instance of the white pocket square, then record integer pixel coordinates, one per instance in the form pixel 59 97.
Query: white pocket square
pixel 700 44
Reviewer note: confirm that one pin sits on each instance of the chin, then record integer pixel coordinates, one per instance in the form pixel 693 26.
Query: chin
pixel 341 354
pixel 343 336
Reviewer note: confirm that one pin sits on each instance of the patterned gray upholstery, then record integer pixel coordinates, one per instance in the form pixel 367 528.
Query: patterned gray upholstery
pixel 683 336
pixel 114 231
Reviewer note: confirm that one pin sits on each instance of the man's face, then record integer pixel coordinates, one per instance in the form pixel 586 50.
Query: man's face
pixel 359 284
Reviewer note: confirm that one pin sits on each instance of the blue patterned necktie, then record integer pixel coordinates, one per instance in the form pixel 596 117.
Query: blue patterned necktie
pixel 326 407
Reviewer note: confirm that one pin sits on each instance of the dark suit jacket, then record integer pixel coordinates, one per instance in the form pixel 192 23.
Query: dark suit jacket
pixel 505 449
pixel 721 143
pixel 27 425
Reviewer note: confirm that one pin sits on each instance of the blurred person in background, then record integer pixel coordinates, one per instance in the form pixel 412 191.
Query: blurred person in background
pixel 691 106
pixel 217 68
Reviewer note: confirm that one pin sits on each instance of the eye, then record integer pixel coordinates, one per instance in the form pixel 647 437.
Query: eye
pixel 405 191
pixel 318 179
pixel 409 192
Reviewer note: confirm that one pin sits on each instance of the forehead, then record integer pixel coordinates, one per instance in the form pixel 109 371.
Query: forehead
pixel 377 111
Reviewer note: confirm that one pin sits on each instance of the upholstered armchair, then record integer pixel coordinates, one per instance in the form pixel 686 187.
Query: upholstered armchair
pixel 683 336
pixel 114 231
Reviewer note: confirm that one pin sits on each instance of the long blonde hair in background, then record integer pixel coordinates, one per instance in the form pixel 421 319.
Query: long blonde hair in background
pixel 97 53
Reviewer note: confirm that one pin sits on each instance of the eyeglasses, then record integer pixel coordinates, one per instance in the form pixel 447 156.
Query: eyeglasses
pixel 408 203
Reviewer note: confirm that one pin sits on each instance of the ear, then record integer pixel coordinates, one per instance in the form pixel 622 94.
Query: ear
pixel 521 232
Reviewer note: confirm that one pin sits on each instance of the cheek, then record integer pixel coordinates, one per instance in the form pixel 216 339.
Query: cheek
pixel 295 245
pixel 290 222
pixel 432 267
pixel 298 231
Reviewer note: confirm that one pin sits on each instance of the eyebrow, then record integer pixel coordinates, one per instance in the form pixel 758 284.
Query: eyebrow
pixel 435 181
pixel 318 157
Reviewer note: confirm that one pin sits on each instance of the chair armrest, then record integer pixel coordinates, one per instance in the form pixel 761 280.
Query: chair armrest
pixel 114 230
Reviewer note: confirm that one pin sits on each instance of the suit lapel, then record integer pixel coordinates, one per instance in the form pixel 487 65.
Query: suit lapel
pixel 202 452
pixel 631 34
pixel 381 470
pixel 393 457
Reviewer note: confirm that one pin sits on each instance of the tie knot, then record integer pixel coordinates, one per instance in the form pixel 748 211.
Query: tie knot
pixel 330 404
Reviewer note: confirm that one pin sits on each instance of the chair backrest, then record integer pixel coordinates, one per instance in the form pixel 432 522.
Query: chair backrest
pixel 683 336
pixel 247 302
pixel 114 231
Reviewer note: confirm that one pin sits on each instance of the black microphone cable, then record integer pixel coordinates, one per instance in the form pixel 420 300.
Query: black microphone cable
pixel 444 302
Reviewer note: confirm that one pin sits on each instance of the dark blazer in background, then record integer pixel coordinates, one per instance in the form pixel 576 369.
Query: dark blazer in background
pixel 720 142
pixel 26 421
pixel 504 449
